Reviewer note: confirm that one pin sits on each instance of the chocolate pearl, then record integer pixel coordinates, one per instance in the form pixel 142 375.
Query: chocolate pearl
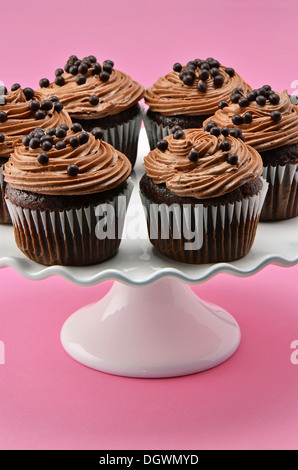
pixel 3 116
pixel 60 81
pixel 235 97
pixel 2 138
pixel 72 58
pixel 261 100
pixel 202 86
pixel 107 68
pixel 63 126
pixel 214 71
pixel 261 92
pixel 188 80
pixel 67 67
pixel 204 75
pixel 46 105
pixel 51 131
pixel 43 158
pixel 247 118
pixel 34 105
pixel 213 63
pixel 15 86
pixel 205 66
pixel 83 68
pixel 29 93
pixel 74 142
pixel 232 159
pixel 219 80
pixel 92 59
pixel 60 145
pixel 230 71
pixel 225 131
pixel 222 104
pixel 243 102
pixel 83 138
pixel 60 133
pixel 73 70
pixel 86 61
pixel 104 76
pixel 251 96
pixel 225 146
pixel 178 134
pixel 238 90
pixel 191 64
pixel 59 72
pixel 162 145
pixel 236 132
pixel 46 138
pixel 58 106
pixel 80 80
pixel 237 119
pixel 175 128
pixel 76 127
pixel 198 62
pixel 177 67
pixel 193 155
pixel 39 114
pixel 73 170
pixel 96 69
pixel 93 99
pixel 34 143
pixel 209 126
pixel 276 116
pixel 97 132
pixel 266 87
pixel 38 132
pixel 44 83
pixel 110 62
pixel 54 99
pixel 182 74
pixel 215 131
pixel 274 98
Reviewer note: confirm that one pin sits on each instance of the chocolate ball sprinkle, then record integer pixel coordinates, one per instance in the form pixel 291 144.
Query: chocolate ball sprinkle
pixel 39 114
pixel 3 116
pixel 251 96
pixel 178 134
pixel 222 104
pixel 219 80
pixel 276 116
pixel 34 105
pixel 202 86
pixel 94 100
pixel 60 133
pixel 162 145
pixel 44 83
pixel 209 126
pixel 59 72
pixel 73 170
pixel 74 142
pixel 243 102
pixel 80 80
pixel 225 146
pixel 43 158
pixel 193 155
pixel 104 76
pixel 96 69
pixel 175 128
pixel 261 100
pixel 247 118
pixel 177 67
pixel 60 145
pixel 92 58
pixel 47 105
pixel 225 131
pixel 235 132
pixel 97 132
pixel 274 98
pixel 83 68
pixel 73 70
pixel 15 86
pixel 76 127
pixel 34 143
pixel 51 131
pixel 204 75
pixel 214 71
pixel 58 106
pixel 60 81
pixel 2 138
pixel 83 138
pixel 215 131
pixel 205 66
pixel 188 80
pixel 230 71
pixel 54 99
pixel 237 119
pixel 235 97
pixel 232 159
pixel 26 140
pixel 29 93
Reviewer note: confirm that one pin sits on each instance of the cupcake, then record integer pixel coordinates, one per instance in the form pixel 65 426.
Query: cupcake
pixel 67 203
pixel 269 123
pixel 21 111
pixel 202 193
pixel 187 96
pixel 97 95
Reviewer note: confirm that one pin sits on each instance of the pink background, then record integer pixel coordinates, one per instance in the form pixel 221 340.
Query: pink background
pixel 47 400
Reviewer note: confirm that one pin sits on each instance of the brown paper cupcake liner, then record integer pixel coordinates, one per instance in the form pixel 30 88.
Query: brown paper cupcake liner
pixel 196 234
pixel 75 237
pixel 154 131
pixel 4 213
pixel 281 201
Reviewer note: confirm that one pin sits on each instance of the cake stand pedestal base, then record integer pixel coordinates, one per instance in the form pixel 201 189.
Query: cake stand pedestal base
pixel 158 330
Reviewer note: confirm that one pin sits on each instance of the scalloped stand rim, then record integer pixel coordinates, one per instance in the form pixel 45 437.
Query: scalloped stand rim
pixel 156 331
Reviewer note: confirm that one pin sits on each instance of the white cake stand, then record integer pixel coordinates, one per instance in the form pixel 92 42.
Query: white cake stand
pixel 150 324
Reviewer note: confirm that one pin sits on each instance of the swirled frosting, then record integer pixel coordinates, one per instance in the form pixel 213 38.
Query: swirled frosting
pixel 115 95
pixel 21 120
pixel 263 132
pixel 211 175
pixel 99 168
pixel 170 96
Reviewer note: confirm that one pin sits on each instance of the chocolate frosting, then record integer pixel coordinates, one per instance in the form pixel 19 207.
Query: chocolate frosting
pixel 21 120
pixel 101 168
pixel 263 133
pixel 211 175
pixel 119 93
pixel 170 96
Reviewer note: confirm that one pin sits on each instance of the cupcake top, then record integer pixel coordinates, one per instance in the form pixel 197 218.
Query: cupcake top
pixel 66 161
pixel 267 119
pixel 200 164
pixel 21 111
pixel 90 90
pixel 193 89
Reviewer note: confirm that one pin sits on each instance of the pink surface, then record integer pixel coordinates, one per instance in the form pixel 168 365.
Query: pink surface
pixel 47 400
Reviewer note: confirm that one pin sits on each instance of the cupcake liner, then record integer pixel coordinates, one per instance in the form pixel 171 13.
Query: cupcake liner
pixel 154 131
pixel 198 235
pixel 123 137
pixel 74 237
pixel 4 213
pixel 282 197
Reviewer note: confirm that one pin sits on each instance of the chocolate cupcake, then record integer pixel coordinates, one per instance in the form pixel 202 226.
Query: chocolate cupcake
pixel 269 123
pixel 68 202
pixel 21 111
pixel 187 96
pixel 97 95
pixel 202 193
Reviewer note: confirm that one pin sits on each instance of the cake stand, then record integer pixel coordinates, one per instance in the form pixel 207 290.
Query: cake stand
pixel 150 324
